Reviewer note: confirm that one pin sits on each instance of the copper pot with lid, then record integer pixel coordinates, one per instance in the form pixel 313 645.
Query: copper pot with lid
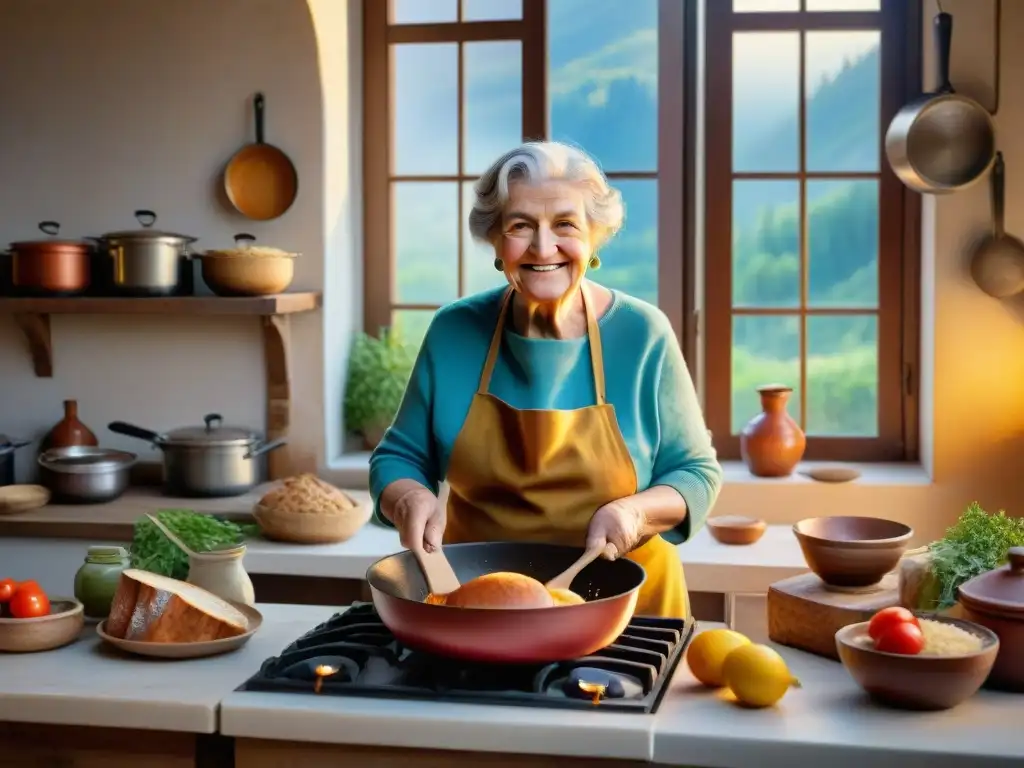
pixel 52 266
pixel 996 600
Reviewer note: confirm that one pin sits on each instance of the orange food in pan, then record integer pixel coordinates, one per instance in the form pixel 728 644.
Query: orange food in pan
pixel 505 590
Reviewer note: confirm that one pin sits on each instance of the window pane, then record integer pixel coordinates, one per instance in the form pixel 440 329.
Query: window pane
pixel 754 6
pixel 491 10
pixel 844 5
pixel 842 376
pixel 842 243
pixel 425 222
pixel 426 109
pixel 478 272
pixel 843 101
pixel 766 244
pixel 765 350
pixel 603 79
pixel 629 262
pixel 411 324
pixel 423 11
pixel 493 75
pixel 765 101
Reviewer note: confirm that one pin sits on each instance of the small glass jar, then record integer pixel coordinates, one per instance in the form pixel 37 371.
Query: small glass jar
pixel 97 579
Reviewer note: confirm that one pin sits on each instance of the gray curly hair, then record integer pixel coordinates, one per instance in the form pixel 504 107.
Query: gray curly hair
pixel 538 161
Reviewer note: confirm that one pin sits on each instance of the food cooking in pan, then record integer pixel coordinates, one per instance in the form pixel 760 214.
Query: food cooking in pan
pixel 504 589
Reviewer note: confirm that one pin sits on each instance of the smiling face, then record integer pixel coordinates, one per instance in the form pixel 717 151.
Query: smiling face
pixel 545 241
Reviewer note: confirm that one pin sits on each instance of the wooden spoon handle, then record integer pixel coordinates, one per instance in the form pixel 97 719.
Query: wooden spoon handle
pixel 170 535
pixel 441 578
pixel 564 579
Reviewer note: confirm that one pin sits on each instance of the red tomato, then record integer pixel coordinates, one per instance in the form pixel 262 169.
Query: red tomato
pixel 887 618
pixel 29 604
pixel 905 638
pixel 7 589
pixel 31 585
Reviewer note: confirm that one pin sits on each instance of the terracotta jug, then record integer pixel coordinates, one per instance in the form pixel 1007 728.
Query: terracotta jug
pixel 772 443
pixel 69 430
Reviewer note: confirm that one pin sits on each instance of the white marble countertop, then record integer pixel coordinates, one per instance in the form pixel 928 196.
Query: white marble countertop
pixel 89 683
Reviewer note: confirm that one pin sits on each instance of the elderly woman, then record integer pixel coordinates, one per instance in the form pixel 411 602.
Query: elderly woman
pixel 557 410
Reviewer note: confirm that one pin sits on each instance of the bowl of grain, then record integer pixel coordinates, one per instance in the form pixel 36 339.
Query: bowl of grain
pixel 956 658
pixel 306 510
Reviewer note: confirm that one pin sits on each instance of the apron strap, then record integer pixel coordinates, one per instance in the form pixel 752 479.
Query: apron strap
pixel 492 353
pixel 593 335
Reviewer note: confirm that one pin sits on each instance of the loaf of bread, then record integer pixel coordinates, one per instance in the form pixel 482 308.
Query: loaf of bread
pixel 151 608
pixel 308 494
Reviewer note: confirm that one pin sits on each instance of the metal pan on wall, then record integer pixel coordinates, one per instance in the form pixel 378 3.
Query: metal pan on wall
pixel 260 180
pixel 943 142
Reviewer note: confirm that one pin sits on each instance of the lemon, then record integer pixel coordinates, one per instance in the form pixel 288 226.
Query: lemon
pixel 757 675
pixel 707 653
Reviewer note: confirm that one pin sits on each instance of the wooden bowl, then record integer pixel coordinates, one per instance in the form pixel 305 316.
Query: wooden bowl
pixel 917 682
pixel 45 633
pixel 248 276
pixel 736 530
pixel 187 650
pixel 308 528
pixel 852 551
pixel 22 498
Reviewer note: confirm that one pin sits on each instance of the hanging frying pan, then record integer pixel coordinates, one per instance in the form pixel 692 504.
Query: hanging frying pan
pixel 260 180
pixel 942 142
pixel 998 263
pixel 513 635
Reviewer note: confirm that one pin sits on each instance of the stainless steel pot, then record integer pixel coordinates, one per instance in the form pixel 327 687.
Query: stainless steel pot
pixel 83 474
pixel 147 261
pixel 8 445
pixel 208 461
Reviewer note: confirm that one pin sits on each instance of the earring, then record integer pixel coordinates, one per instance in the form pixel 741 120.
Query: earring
pixel 499 265
pixel 595 262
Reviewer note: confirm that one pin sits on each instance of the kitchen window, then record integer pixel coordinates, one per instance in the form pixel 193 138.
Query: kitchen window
pixel 808 270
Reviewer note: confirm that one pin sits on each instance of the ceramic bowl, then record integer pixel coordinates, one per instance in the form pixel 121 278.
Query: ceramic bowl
pixel 852 551
pixel 736 530
pixel 308 528
pixel 917 682
pixel 45 633
pixel 187 650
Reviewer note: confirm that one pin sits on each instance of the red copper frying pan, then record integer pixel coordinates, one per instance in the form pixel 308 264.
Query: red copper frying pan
pixel 260 180
pixel 513 636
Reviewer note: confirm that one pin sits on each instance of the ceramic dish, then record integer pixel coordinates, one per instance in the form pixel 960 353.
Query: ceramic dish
pixel 736 530
pixel 917 682
pixel 850 551
pixel 45 633
pixel 187 650
pixel 311 528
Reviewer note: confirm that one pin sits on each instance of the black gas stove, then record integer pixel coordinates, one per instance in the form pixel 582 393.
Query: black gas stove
pixel 369 661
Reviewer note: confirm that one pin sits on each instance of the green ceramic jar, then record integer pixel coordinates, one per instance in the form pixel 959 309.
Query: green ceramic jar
pixel 96 581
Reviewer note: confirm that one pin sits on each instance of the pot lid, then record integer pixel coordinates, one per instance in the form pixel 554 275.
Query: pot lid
pixel 51 228
pixel 1000 591
pixel 212 432
pixel 147 219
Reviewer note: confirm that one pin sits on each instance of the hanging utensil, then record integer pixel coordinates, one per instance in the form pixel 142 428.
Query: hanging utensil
pixel 998 264
pixel 943 142
pixel 260 180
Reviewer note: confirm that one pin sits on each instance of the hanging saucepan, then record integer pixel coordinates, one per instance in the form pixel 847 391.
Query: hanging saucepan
pixel 942 142
pixel 211 460
pixel 514 635
pixel 998 264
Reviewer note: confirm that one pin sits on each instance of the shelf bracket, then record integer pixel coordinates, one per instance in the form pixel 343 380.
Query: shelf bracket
pixel 36 328
pixel 276 349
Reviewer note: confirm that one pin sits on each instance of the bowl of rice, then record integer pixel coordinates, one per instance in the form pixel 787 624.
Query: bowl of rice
pixel 953 664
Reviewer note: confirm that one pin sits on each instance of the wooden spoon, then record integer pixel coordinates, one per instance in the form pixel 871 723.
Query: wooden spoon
pixel 441 578
pixel 564 579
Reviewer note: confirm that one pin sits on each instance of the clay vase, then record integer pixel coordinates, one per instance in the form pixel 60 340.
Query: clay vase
pixel 69 431
pixel 772 444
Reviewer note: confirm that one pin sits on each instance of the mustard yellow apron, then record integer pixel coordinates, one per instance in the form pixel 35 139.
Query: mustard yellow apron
pixel 539 475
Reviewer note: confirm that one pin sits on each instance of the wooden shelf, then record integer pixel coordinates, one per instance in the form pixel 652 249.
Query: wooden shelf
pixel 33 317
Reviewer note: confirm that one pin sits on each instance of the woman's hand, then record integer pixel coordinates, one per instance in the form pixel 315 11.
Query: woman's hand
pixel 620 523
pixel 420 519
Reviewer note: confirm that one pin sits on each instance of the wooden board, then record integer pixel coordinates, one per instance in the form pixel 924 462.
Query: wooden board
pixel 803 613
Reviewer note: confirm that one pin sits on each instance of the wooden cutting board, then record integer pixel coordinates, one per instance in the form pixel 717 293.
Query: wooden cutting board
pixel 803 613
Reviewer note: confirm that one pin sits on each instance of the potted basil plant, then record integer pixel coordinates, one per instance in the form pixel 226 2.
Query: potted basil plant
pixel 378 370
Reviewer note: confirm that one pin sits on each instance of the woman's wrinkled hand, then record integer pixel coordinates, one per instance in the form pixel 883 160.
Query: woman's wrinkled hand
pixel 420 520
pixel 619 523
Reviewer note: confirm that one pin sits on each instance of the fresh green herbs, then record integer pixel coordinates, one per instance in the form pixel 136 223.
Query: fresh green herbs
pixel 152 551
pixel 979 542
pixel 378 370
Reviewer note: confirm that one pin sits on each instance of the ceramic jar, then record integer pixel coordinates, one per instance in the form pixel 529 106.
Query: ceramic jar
pixel 996 600
pixel 222 573
pixel 772 443
pixel 97 579
pixel 69 431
